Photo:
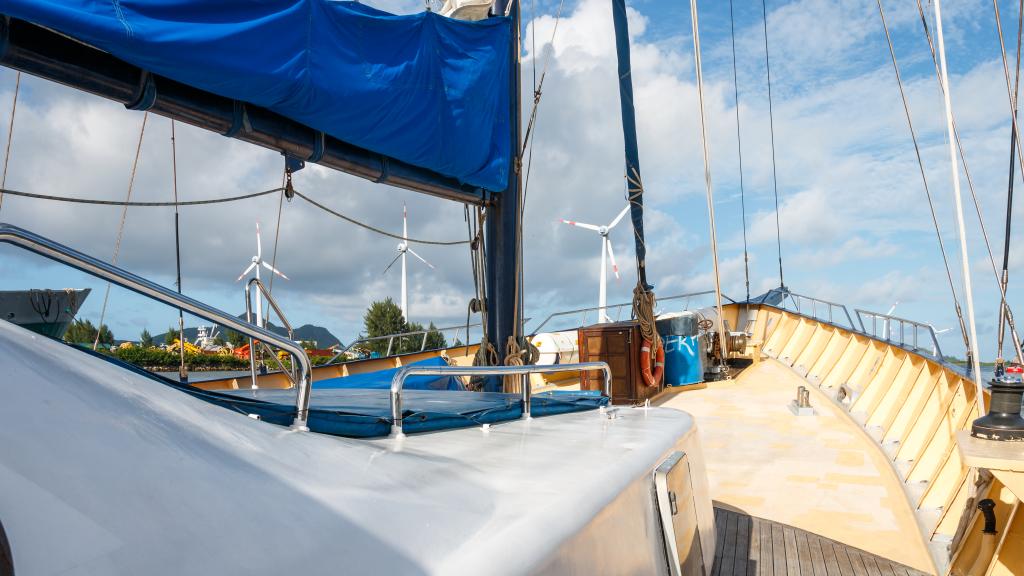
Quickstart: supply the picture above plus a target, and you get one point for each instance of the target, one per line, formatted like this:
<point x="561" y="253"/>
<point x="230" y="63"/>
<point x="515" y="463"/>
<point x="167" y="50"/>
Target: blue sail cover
<point x="424" y="89"/>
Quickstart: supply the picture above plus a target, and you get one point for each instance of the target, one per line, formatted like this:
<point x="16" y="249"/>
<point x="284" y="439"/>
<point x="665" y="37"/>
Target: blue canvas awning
<point x="423" y="89"/>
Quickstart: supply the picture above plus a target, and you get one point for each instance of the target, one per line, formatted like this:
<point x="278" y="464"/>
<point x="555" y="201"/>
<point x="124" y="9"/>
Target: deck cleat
<point x="1003" y="421"/>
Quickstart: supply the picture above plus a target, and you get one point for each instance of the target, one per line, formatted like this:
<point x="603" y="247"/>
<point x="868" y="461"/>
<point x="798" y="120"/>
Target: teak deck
<point x="749" y="546"/>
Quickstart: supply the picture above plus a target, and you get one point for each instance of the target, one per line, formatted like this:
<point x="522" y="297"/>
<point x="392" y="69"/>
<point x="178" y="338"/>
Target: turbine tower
<point x="403" y="248"/>
<point x="255" y="264"/>
<point x="607" y="254"/>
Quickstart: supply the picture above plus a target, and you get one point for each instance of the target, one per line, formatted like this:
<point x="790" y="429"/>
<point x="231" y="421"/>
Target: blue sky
<point x="855" y="226"/>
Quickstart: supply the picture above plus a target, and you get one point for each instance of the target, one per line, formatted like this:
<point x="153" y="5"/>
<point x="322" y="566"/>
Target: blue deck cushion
<point x="366" y="413"/>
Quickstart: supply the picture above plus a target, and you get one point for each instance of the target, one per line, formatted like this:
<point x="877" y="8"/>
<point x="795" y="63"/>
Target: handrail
<point x="390" y="338"/>
<point x="398" y="382"/>
<point x="797" y="298"/>
<point x="58" y="252"/>
<point x="248" y="318"/>
<point x="621" y="306"/>
<point x="888" y="320"/>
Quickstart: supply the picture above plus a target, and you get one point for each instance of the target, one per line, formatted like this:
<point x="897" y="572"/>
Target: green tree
<point x="235" y="338"/>
<point x="146" y="339"/>
<point x="414" y="343"/>
<point x="84" y="332"/>
<point x="172" y="335"/>
<point x="382" y="318"/>
<point x="435" y="339"/>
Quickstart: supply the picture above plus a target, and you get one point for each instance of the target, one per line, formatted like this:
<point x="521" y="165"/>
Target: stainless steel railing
<point x="815" y="307"/>
<point x="58" y="252"/>
<point x="623" y="306"/>
<point x="252" y="349"/>
<point x="398" y="382"/>
<point x="906" y="333"/>
<point x="422" y="334"/>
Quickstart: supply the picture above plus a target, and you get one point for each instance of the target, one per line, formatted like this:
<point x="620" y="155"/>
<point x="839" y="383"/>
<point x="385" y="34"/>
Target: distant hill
<point x="322" y="336"/>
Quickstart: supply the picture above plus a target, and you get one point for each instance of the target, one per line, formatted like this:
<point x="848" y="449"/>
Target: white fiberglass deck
<point x="105" y="471"/>
<point x="816" y="473"/>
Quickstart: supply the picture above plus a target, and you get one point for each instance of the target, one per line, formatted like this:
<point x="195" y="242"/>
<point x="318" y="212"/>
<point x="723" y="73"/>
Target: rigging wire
<point x="132" y="204"/>
<point x="136" y="204"/>
<point x="722" y="342"/>
<point x="10" y="134"/>
<point x="182" y="373"/>
<point x="739" y="148"/>
<point x="1003" y="280"/>
<point x="277" y="236"/>
<point x="378" y="230"/>
<point x="970" y="185"/>
<point x="120" y="228"/>
<point x="771" y="128"/>
<point x="924" y="178"/>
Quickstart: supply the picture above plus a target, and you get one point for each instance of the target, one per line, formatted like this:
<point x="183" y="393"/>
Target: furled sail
<point x="427" y="90"/>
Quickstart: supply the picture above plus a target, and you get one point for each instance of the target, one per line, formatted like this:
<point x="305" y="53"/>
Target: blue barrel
<point x="684" y="359"/>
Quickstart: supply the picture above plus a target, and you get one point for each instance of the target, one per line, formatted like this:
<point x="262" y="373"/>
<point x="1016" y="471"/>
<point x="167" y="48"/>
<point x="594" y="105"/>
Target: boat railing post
<point x="398" y="382"/>
<point x="527" y="390"/>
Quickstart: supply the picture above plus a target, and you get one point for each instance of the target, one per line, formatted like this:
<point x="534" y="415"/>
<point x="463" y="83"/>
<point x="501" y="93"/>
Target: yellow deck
<point x="816" y="473"/>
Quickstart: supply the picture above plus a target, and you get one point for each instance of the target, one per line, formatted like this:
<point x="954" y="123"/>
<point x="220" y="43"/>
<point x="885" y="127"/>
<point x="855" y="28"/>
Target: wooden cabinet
<point x="617" y="344"/>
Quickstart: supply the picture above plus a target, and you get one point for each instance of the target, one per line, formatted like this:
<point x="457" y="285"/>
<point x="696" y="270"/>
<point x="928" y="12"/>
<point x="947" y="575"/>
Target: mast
<point x="632" y="151"/>
<point x="502" y="226"/>
<point x="975" y="364"/>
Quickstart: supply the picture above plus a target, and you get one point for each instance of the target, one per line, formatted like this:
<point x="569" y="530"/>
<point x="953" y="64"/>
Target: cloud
<point x="855" y="224"/>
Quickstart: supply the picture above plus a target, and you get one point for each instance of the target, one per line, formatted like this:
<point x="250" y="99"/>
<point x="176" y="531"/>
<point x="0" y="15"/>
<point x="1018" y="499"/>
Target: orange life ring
<point x="645" y="363"/>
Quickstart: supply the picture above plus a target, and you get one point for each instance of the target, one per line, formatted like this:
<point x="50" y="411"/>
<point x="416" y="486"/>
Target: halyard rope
<point x="120" y="229"/>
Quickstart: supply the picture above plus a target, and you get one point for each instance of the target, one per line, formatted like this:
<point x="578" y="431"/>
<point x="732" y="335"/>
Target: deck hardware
<point x="801" y="405"/>
<point x="1003" y="421"/>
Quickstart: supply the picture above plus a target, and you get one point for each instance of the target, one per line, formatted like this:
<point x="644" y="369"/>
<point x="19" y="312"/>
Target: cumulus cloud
<point x="855" y="226"/>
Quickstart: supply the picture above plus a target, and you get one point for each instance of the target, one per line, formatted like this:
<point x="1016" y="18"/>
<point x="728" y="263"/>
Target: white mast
<point x="707" y="182"/>
<point x="965" y="263"/>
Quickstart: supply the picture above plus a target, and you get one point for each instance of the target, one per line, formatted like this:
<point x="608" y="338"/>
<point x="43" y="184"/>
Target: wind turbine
<point x="403" y="247"/>
<point x="885" y="325"/>
<point x="255" y="264"/>
<point x="606" y="255"/>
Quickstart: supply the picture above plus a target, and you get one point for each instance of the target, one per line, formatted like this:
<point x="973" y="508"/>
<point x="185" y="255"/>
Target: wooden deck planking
<point x="750" y="546"/>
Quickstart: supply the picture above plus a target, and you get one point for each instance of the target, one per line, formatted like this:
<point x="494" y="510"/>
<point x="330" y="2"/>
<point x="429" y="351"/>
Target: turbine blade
<point x="420" y="257"/>
<point x="405" y="224"/>
<point x="581" y="225"/>
<point x="611" y="257"/>
<point x="619" y="217"/>
<point x="392" y="263"/>
<point x="247" y="270"/>
<point x="274" y="270"/>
